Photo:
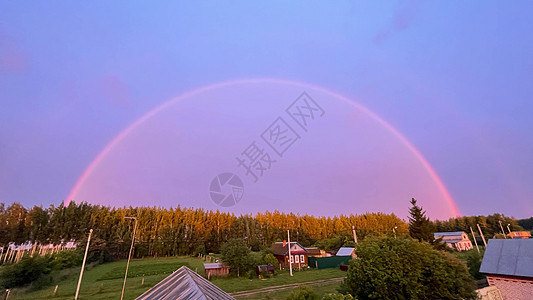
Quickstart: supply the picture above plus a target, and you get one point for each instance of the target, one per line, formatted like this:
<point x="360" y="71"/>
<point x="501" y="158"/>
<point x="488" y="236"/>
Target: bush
<point x="27" y="270"/>
<point x="251" y="274"/>
<point x="473" y="261"/>
<point x="389" y="268"/>
<point x="338" y="297"/>
<point x="303" y="293"/>
<point x="66" y="259"/>
<point x="270" y="259"/>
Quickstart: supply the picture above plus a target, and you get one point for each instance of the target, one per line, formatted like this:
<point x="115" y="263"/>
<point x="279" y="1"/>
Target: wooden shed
<point x="217" y="269"/>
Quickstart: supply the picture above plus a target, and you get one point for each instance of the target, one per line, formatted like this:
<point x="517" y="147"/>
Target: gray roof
<point x="437" y="234"/>
<point x="509" y="257"/>
<point x="185" y="284"/>
<point x="452" y="241"/>
<point x="345" y="251"/>
<point x="215" y="266"/>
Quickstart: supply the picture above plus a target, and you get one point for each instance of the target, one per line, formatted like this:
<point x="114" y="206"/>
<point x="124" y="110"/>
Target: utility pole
<point x="129" y="256"/>
<point x="290" y="257"/>
<point x="474" y="237"/>
<point x="82" y="265"/>
<point x="482" y="236"/>
<point x="354" y="235"/>
<point x="504" y="235"/>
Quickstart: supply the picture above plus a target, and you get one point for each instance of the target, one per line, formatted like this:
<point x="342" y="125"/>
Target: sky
<point x="146" y="104"/>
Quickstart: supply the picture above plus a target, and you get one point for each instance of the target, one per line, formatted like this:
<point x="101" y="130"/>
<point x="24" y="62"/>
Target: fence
<point x="328" y="262"/>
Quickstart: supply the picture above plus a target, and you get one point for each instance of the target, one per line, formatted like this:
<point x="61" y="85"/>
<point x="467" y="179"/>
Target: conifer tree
<point x="420" y="227"/>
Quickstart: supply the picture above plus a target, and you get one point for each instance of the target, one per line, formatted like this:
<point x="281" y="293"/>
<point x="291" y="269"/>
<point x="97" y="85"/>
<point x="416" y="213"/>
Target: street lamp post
<point x="83" y="265"/>
<point x="504" y="235"/>
<point x="509" y="228"/>
<point x="394" y="230"/>
<point x="129" y="256"/>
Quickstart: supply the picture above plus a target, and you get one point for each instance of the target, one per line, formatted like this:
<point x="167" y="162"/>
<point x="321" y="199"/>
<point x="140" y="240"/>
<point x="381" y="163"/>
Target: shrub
<point x="338" y="297"/>
<point x="389" y="268"/>
<point x="270" y="259"/>
<point x="66" y="259"/>
<point x="27" y="270"/>
<point x="302" y="293"/>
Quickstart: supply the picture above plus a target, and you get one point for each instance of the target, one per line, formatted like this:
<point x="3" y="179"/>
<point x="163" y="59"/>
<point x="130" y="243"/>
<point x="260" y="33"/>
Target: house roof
<point x="215" y="266"/>
<point x="313" y="251"/>
<point x="508" y="257"/>
<point x="345" y="251"/>
<point x="185" y="284"/>
<point x="278" y="248"/>
<point x="451" y="241"/>
<point x="454" y="233"/>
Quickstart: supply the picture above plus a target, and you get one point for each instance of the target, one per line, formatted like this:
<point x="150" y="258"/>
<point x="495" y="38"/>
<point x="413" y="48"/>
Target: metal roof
<point x="437" y="234"/>
<point x="452" y="241"/>
<point x="508" y="257"/>
<point x="215" y="266"/>
<point x="345" y="251"/>
<point x="185" y="284"/>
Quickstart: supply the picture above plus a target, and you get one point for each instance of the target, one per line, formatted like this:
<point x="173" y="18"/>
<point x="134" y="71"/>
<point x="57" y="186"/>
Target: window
<point x="296" y="258"/>
<point x="302" y="260"/>
<point x="291" y="259"/>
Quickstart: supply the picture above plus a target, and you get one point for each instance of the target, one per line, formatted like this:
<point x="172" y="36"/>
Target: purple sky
<point x="453" y="78"/>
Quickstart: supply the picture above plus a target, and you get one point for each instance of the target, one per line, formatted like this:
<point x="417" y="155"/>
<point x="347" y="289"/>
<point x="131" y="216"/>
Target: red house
<point x="298" y="254"/>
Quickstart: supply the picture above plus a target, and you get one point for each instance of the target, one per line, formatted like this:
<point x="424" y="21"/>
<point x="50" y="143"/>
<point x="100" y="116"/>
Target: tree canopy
<point x="175" y="231"/>
<point x="403" y="268"/>
<point x="237" y="255"/>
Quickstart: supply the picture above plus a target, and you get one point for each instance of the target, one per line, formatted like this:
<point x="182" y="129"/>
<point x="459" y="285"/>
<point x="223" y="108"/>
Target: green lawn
<point x="231" y="285"/>
<point x="105" y="281"/>
<point x="320" y="291"/>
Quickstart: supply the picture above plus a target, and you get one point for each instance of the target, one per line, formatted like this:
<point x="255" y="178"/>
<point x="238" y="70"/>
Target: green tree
<point x="403" y="268"/>
<point x="237" y="255"/>
<point x="527" y="224"/>
<point x="270" y="259"/>
<point x="420" y="227"/>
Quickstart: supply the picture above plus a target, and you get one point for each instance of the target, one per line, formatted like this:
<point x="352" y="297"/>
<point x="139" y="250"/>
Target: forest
<point x="185" y="231"/>
<point x="176" y="231"/>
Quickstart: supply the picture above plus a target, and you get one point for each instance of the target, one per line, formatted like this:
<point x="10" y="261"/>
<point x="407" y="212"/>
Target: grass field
<point x="231" y="285"/>
<point x="320" y="291"/>
<point x="105" y="281"/>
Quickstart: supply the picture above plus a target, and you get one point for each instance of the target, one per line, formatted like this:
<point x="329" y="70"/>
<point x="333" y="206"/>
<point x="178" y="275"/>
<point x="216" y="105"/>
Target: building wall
<point x="217" y="272"/>
<point x="284" y="261"/>
<point x="512" y="288"/>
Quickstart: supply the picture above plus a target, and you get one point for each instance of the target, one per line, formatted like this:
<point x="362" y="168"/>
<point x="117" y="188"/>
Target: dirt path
<point x="285" y="287"/>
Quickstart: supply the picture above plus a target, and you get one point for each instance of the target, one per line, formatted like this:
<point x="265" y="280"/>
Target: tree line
<point x="176" y="231"/>
<point x="489" y="224"/>
<point x="182" y="231"/>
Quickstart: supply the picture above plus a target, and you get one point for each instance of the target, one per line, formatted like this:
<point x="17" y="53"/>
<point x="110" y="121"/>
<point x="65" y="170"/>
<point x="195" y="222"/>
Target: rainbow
<point x="116" y="140"/>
